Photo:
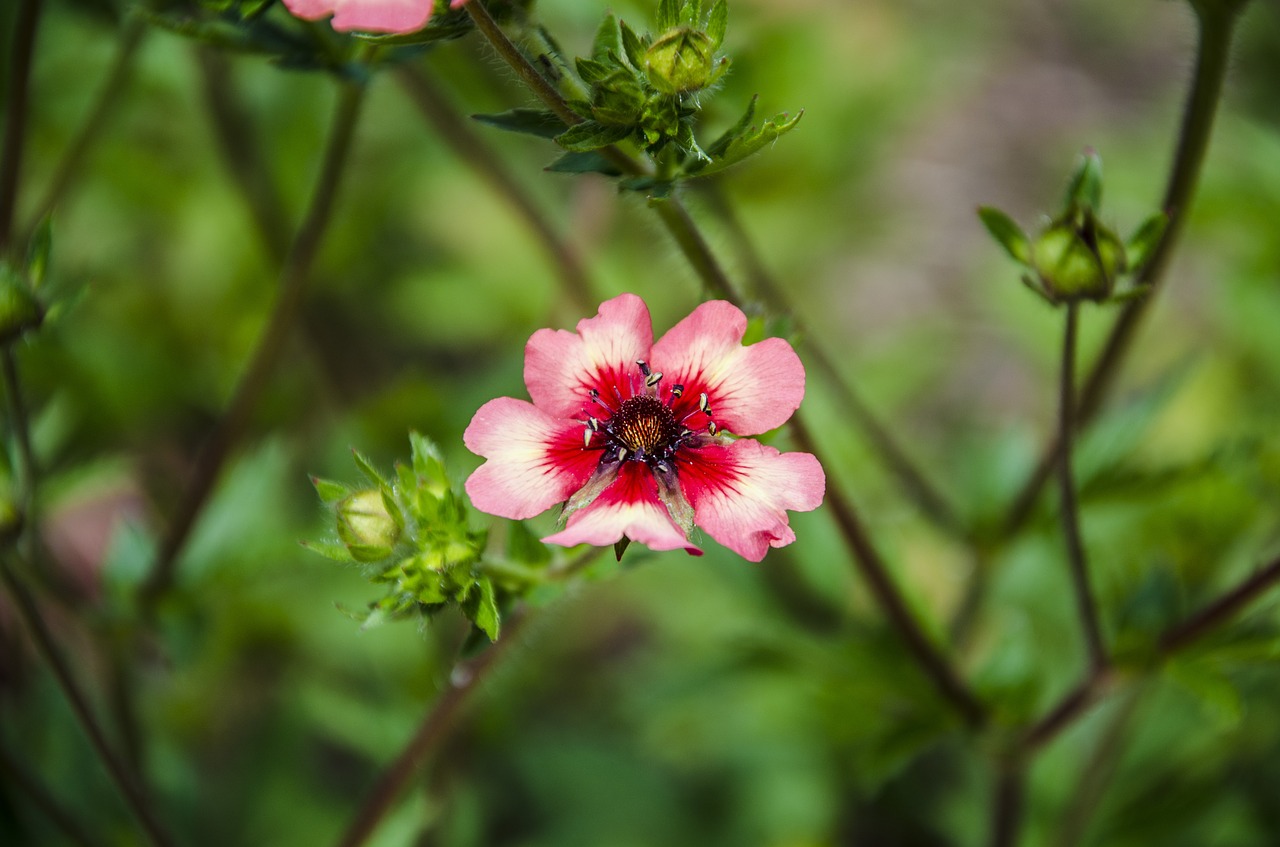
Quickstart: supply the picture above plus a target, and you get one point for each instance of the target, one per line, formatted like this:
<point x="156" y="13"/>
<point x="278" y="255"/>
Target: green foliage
<point x="413" y="532"/>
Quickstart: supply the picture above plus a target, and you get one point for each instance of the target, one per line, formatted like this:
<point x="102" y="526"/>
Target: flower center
<point x="643" y="427"/>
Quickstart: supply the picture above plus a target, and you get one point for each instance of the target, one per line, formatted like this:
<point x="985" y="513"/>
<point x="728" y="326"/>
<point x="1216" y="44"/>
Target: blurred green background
<point x="666" y="700"/>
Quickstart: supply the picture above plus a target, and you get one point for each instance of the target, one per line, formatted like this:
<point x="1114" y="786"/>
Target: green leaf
<point x="336" y="552"/>
<point x="367" y="468"/>
<point x="259" y="37"/>
<point x="717" y="147"/>
<point x="691" y="13"/>
<point x="539" y="122"/>
<point x="482" y="608"/>
<point x="428" y="465"/>
<point x="1006" y="233"/>
<point x="591" y="71"/>
<point x="1084" y="190"/>
<point x="591" y="135"/>
<point x="718" y="22"/>
<point x="632" y="46"/>
<point x="524" y="547"/>
<point x="608" y="39"/>
<point x="1212" y="688"/>
<point x="583" y="163"/>
<point x="668" y="14"/>
<point x="38" y="252"/>
<point x="1143" y="243"/>
<point x="688" y="144"/>
<point x="329" y="491"/>
<point x="747" y="145"/>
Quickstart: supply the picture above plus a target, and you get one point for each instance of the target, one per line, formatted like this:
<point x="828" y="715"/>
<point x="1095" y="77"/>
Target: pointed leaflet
<point x="583" y="163"/>
<point x="668" y="14"/>
<point x="717" y="23"/>
<point x="481" y="606"/>
<point x="717" y="147"/>
<point x="632" y="46"/>
<point x="329" y="491"/>
<point x="1006" y="233"/>
<point x="1084" y="190"/>
<point x="1143" y="243"/>
<point x="591" y="135"/>
<point x="537" y="122"/>
<point x="608" y="39"/>
<point x="748" y="145"/>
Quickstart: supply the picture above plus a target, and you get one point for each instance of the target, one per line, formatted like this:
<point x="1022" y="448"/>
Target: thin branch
<point x="1097" y="772"/>
<point x="1220" y="611"/>
<point x="1070" y="510"/>
<point x="1007" y="804"/>
<point x="103" y="108"/>
<point x="876" y="574"/>
<point x="43" y="800"/>
<point x="27" y="470"/>
<point x="439" y="720"/>
<point x="468" y="146"/>
<point x="115" y="766"/>
<point x="1216" y="28"/>
<point x="1075" y="703"/>
<point x="15" y="119"/>
<point x="293" y="280"/>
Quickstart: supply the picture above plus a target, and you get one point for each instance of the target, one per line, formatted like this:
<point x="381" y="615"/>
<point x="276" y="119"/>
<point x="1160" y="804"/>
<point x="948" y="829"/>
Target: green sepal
<point x="633" y="47"/>
<point x="591" y="135"/>
<point x="481" y="607"/>
<point x="608" y="39"/>
<point x="668" y="14"/>
<point x="1006" y="233"/>
<point x="620" y="546"/>
<point x="591" y="71"/>
<point x="367" y="468"/>
<point x="329" y="491"/>
<point x="538" y="122"/>
<point x="717" y="23"/>
<point x="428" y="465"/>
<point x="1084" y="189"/>
<point x="691" y="13"/>
<point x="1143" y="242"/>
<point x="748" y="144"/>
<point x="336" y="552"/>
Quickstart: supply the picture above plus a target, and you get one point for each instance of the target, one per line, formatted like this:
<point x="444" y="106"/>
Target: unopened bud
<point x="680" y="61"/>
<point x="367" y="527"/>
<point x="1078" y="260"/>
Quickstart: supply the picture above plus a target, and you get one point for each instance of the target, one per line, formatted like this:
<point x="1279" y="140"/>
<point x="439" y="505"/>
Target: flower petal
<point x="750" y="389"/>
<point x="630" y="507"/>
<point x="560" y="367"/>
<point x="741" y="493"/>
<point x="393" y="16"/>
<point x="311" y="10"/>
<point x="535" y="460"/>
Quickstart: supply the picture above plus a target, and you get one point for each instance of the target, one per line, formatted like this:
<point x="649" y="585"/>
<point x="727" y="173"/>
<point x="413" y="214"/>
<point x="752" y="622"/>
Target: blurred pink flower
<point x="391" y="16"/>
<point x="634" y="438"/>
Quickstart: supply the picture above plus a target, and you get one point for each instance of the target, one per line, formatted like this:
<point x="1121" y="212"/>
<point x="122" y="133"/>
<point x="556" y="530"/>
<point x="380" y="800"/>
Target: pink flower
<point x="394" y="16"/>
<point x="634" y="437"/>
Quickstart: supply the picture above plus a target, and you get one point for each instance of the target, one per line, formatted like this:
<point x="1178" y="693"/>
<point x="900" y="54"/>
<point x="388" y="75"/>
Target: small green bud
<point x="19" y="309"/>
<point x="367" y="527"/>
<point x="1077" y="261"/>
<point x="681" y="60"/>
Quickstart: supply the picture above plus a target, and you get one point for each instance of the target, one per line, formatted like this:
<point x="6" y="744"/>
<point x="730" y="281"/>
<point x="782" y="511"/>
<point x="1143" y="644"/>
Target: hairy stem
<point x="123" y="778"/>
<point x="1070" y="510"/>
<point x="465" y="679"/>
<point x="1216" y="27"/>
<point x="873" y="570"/>
<point x="15" y="118"/>
<point x="468" y="146"/>
<point x="293" y="280"/>
<point x="103" y="108"/>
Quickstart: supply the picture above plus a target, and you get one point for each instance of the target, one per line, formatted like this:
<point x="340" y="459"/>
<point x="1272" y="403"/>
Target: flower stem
<point x="695" y="249"/>
<point x="117" y="78"/>
<point x="293" y="280"/>
<point x="876" y="574"/>
<point x="1216" y="27"/>
<point x="15" y="119"/>
<point x="469" y="147"/>
<point x="120" y="774"/>
<point x="439" y="720"/>
<point x="1070" y="510"/>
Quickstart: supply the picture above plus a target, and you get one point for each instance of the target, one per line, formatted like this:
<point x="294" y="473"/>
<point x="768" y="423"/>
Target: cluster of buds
<point x="1075" y="256"/>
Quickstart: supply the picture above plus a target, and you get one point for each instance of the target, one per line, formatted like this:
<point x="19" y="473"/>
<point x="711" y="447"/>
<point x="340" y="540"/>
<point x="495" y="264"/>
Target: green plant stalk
<point x="465" y="679"/>
<point x="1068" y="506"/>
<point x="1216" y="28"/>
<point x="15" y="119"/>
<point x="124" y="780"/>
<point x="1007" y="804"/>
<point x="293" y="282"/>
<point x="467" y="145"/>
<point x="696" y="251"/>
<point x="103" y="109"/>
<point x="27" y="472"/>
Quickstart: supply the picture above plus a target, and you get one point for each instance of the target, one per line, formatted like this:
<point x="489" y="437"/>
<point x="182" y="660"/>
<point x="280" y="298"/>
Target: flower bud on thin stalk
<point x="366" y="527"/>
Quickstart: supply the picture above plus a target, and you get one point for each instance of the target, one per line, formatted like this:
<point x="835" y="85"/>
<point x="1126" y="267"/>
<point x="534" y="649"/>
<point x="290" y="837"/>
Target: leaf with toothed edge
<point x="744" y="145"/>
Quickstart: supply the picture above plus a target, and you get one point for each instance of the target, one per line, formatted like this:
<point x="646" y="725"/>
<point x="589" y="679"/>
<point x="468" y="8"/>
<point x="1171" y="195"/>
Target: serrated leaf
<point x="717" y="147"/>
<point x="336" y="552"/>
<point x="329" y="491"/>
<point x="608" y="39"/>
<point x="691" y="13"/>
<point x="718" y="22"/>
<point x="591" y="72"/>
<point x="583" y="163"/>
<point x="747" y="145"/>
<point x="668" y="14"/>
<point x="1144" y="242"/>
<point x="688" y="144"/>
<point x="591" y="135"/>
<point x="539" y="122"/>
<point x="1007" y="233"/>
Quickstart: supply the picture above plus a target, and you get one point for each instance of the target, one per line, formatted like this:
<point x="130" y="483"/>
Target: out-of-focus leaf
<point x="1143" y="243"/>
<point x="1006" y="233"/>
<point x="747" y="144"/>
<point x="1205" y="680"/>
<point x="591" y="135"/>
<point x="539" y="122"/>
<point x="329" y="491"/>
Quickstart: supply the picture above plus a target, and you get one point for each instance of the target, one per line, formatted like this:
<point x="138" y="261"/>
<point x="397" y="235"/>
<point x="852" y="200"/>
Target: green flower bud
<point x="680" y="61"/>
<point x="367" y="528"/>
<point x="1077" y="261"/>
<point x="19" y="308"/>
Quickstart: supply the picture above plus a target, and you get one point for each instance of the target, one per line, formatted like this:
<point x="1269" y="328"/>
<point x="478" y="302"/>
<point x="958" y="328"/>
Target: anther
<point x="644" y="367"/>
<point x="593" y="394"/>
<point x="712" y="428"/>
<point x="677" y="390"/>
<point x="622" y="453"/>
<point x="652" y="379"/>
<point x="586" y="438"/>
<point x="703" y="404"/>
<point x="593" y="424"/>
